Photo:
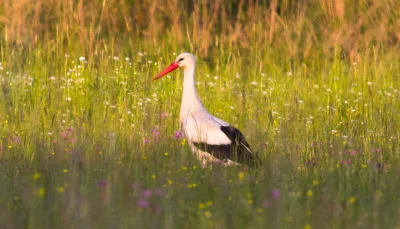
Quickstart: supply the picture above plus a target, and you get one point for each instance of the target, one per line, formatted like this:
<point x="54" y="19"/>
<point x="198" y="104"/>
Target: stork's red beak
<point x="167" y="70"/>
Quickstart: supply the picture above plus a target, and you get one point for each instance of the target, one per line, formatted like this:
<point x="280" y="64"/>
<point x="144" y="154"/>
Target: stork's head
<point x="182" y="61"/>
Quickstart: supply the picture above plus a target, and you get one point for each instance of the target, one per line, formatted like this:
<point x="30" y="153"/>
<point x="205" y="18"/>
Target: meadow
<point x="88" y="140"/>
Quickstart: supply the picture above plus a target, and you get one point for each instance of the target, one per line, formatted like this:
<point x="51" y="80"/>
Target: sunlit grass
<point x="88" y="140"/>
<point x="94" y="144"/>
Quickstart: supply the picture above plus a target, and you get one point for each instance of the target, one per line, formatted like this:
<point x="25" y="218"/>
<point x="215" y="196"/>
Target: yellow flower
<point x="41" y="192"/>
<point x="153" y="176"/>
<point x="207" y="214"/>
<point x="166" y="154"/>
<point x="36" y="176"/>
<point x="352" y="200"/>
<point x="241" y="175"/>
<point x="315" y="182"/>
<point x="65" y="170"/>
<point x="307" y="226"/>
<point x="170" y="182"/>
<point x="309" y="193"/>
<point x="363" y="166"/>
<point x="60" y="189"/>
<point x="209" y="203"/>
<point x="202" y="206"/>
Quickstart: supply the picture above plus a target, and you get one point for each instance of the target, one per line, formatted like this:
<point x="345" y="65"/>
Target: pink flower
<point x="146" y="193"/>
<point x="178" y="134"/>
<point x="142" y="203"/>
<point x="275" y="193"/>
<point x="63" y="134"/>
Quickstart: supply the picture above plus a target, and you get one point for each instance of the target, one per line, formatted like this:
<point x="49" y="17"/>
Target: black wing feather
<point x="239" y="150"/>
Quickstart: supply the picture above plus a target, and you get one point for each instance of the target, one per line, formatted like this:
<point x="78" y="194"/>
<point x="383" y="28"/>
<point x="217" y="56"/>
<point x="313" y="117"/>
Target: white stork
<point x="211" y="139"/>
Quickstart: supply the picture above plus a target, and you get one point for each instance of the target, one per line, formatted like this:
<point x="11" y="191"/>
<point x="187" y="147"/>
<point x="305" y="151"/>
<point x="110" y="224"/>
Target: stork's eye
<point x="180" y="59"/>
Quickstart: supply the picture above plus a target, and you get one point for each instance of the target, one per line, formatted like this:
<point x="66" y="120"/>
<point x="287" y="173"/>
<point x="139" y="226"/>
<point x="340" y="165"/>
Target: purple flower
<point x="102" y="183"/>
<point x="178" y="134"/>
<point x="142" y="203"/>
<point x="63" y="134"/>
<point x="54" y="141"/>
<point x="72" y="140"/>
<point x="275" y="193"/>
<point x="353" y="153"/>
<point x="145" y="141"/>
<point x="146" y="193"/>
<point x="69" y="129"/>
<point x="347" y="162"/>
<point x="16" y="139"/>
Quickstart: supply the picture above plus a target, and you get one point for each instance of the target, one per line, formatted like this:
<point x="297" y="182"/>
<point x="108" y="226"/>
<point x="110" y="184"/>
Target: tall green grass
<point x="88" y="140"/>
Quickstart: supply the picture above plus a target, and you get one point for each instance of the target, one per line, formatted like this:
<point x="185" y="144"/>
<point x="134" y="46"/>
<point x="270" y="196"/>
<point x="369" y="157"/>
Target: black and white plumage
<point x="211" y="139"/>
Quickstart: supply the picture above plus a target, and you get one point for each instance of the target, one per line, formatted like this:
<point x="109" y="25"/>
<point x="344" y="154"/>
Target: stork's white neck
<point x="190" y="99"/>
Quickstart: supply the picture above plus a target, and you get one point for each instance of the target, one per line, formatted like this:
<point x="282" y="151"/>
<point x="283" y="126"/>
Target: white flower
<point x="81" y="58"/>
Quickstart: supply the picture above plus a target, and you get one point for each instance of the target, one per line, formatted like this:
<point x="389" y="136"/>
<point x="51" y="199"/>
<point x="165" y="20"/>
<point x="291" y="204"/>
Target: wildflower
<point x="241" y="175"/>
<point x="142" y="203"/>
<point x="178" y="134"/>
<point x="309" y="193"/>
<point x="41" y="192"/>
<point x="63" y="134"/>
<point x="353" y="153"/>
<point x="60" y="189"/>
<point x="16" y="139"/>
<point x="147" y="193"/>
<point x="307" y="226"/>
<point x="275" y="194"/>
<point x="102" y="183"/>
<point x="36" y="176"/>
<point x="81" y="58"/>
<point x="65" y="171"/>
<point x="207" y="214"/>
<point x="352" y="200"/>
